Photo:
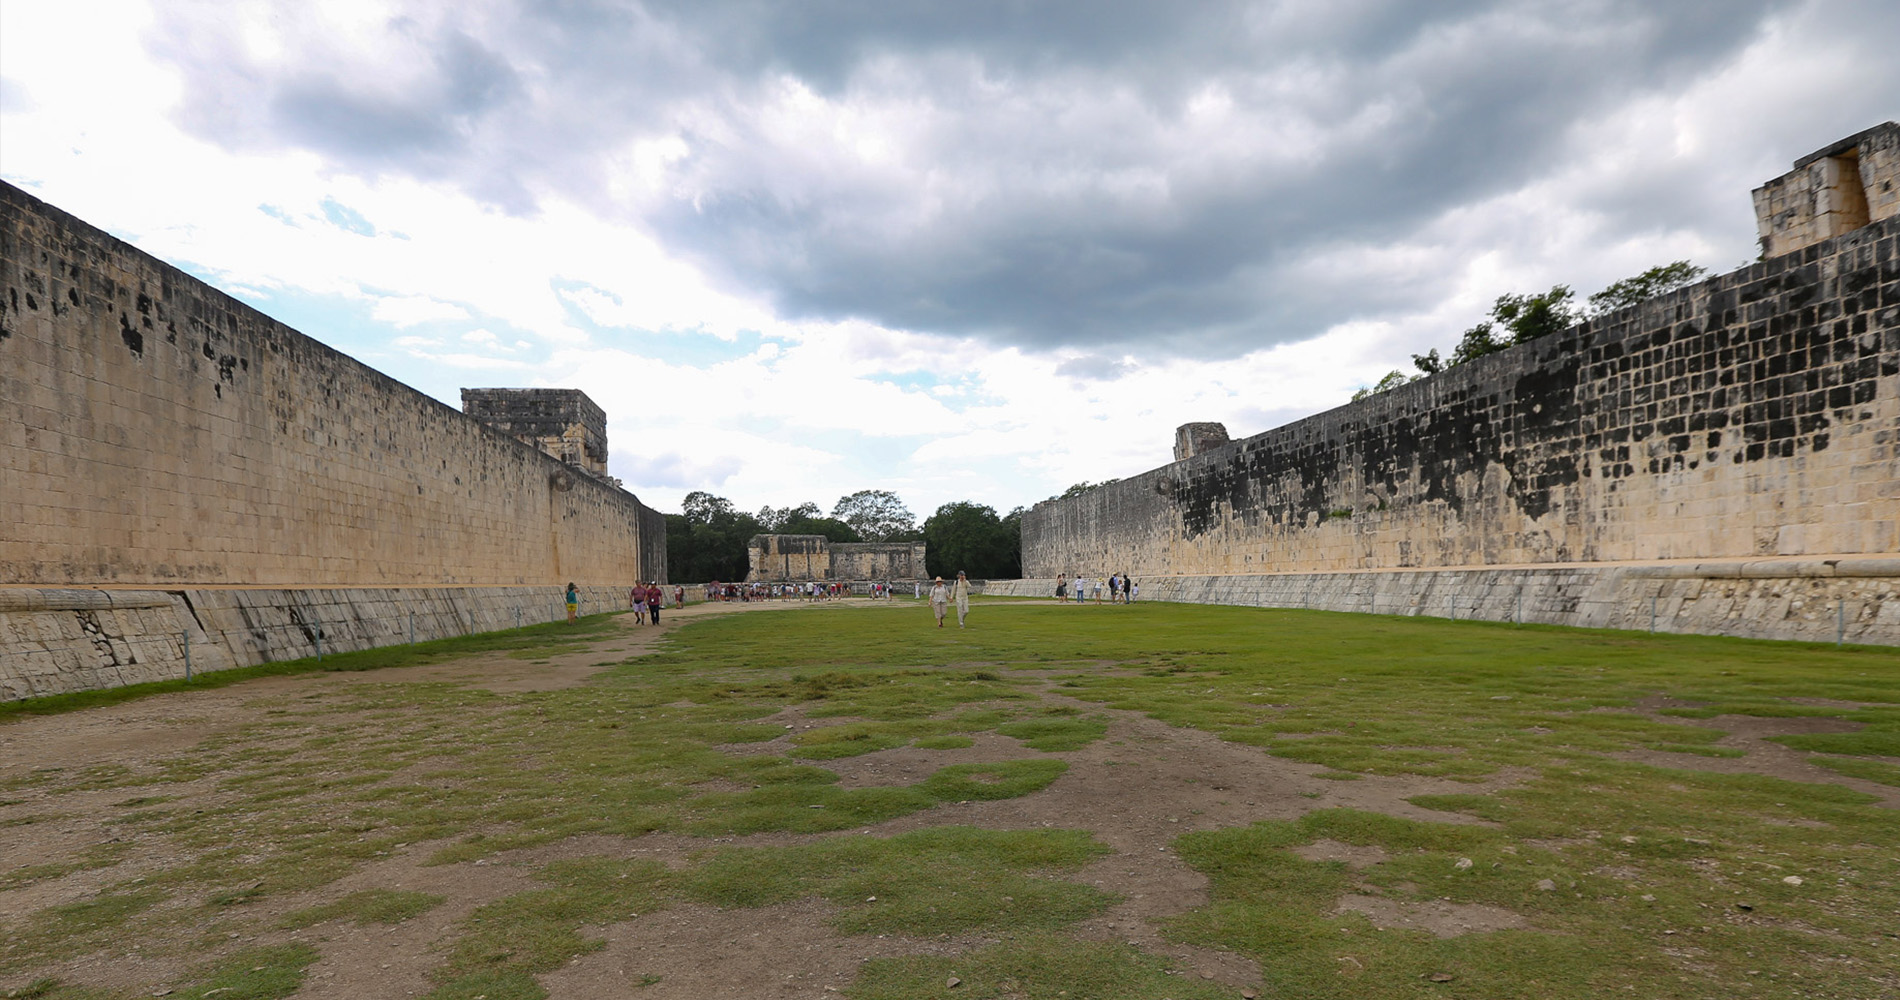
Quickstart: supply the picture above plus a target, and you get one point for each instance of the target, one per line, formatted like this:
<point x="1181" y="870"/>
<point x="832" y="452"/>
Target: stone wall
<point x="785" y="558"/>
<point x="158" y="432"/>
<point x="54" y="641"/>
<point x="1853" y="600"/>
<point x="1755" y="414"/>
<point x="877" y="561"/>
<point x="782" y="558"/>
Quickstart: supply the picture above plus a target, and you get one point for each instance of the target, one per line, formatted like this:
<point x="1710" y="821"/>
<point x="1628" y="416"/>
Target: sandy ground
<point x="1136" y="790"/>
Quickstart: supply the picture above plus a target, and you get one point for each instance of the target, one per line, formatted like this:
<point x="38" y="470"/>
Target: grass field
<point x="1588" y="820"/>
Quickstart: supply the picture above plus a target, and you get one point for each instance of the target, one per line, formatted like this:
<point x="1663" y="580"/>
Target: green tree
<point x="708" y="541"/>
<point x="1392" y="380"/>
<point x="1528" y="317"/>
<point x="876" y="515"/>
<point x="1515" y="319"/>
<point x="830" y="527"/>
<point x="1082" y="487"/>
<point x="1647" y="285"/>
<point x="774" y="520"/>
<point x="968" y="536"/>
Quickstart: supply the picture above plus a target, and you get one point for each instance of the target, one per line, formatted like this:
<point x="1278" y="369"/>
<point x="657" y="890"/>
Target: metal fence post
<point x="1840" y="621"/>
<point x="186" y="635"/>
<point x="517" y="616"/>
<point x="319" y="642"/>
<point x="1652" y="613"/>
<point x="412" y="628"/>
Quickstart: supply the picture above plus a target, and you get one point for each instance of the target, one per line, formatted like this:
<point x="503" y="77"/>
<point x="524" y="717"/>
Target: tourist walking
<point x="573" y="601"/>
<point x="961" y="594"/>
<point x="1062" y="588"/>
<point x="939" y="600"/>
<point x="655" y="598"/>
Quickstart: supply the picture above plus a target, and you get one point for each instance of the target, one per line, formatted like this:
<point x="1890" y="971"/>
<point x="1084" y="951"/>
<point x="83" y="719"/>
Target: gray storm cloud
<point x="1130" y="175"/>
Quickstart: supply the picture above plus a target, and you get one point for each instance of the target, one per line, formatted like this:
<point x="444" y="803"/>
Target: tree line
<point x="707" y="540"/>
<point x="1520" y="318"/>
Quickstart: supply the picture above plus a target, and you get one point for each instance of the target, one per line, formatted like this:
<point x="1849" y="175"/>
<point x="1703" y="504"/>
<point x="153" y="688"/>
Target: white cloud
<point x="964" y="172"/>
<point x="402" y="311"/>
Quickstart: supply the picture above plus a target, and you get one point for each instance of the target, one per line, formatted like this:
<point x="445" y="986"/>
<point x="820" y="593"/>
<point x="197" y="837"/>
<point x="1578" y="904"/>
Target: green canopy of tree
<point x="1518" y="319"/>
<point x="1392" y="380"/>
<point x="876" y="515"/>
<point x="968" y="536"/>
<point x="1515" y="319"/>
<point x="707" y="541"/>
<point x="1656" y="281"/>
<point x="1082" y="487"/>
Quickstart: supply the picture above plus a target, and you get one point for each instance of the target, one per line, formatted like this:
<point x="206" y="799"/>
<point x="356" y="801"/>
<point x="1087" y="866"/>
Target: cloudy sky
<point x="977" y="250"/>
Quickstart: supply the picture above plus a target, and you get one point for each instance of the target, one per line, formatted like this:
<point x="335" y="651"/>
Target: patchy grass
<point x="371" y="906"/>
<point x="333" y="779"/>
<point x="944" y="880"/>
<point x="252" y="974"/>
<point x="1040" y="967"/>
<point x="1866" y="770"/>
<point x="1001" y="780"/>
<point x="504" y="944"/>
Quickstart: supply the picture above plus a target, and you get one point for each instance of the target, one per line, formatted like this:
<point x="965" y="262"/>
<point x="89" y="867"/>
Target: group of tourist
<point x="1121" y="589"/>
<point x="648" y="600"/>
<point x="811" y="590"/>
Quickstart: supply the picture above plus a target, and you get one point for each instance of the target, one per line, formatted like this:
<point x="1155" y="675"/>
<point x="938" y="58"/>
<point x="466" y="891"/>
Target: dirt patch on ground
<point x="1441" y="919"/>
<point x="697" y="952"/>
<point x="1750" y="734"/>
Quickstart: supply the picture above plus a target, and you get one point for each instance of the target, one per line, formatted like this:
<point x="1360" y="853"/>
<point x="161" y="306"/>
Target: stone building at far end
<point x="801" y="558"/>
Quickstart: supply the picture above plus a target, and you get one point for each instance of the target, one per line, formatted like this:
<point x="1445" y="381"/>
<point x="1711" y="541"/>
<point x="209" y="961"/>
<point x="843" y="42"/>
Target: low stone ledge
<point x="66" y="599"/>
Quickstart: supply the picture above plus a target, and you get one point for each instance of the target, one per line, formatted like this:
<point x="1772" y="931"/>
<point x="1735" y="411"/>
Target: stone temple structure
<point x="798" y="558"/>
<point x="563" y="423"/>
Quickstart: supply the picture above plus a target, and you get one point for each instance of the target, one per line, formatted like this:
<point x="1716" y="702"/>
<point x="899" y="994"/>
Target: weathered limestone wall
<point x="1754" y="415"/>
<point x="877" y="561"/>
<point x="158" y="432"/>
<point x="1854" y="600"/>
<point x="786" y="558"/>
<point x="783" y="558"/>
<point x="54" y="641"/>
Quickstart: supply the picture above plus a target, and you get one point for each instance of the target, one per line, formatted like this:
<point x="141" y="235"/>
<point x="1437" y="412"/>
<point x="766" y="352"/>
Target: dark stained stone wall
<point x="1754" y="414"/>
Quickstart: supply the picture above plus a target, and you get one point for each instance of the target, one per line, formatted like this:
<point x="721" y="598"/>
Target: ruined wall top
<point x="1192" y="439"/>
<point x="564" y="423"/>
<point x="1832" y="191"/>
